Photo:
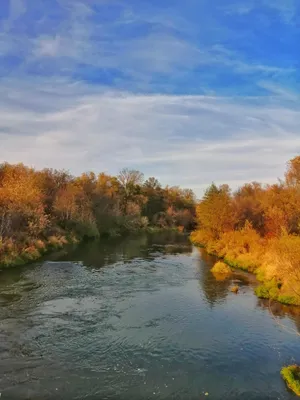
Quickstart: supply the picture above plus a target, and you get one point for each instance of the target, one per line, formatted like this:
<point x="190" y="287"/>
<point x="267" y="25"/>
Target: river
<point x="139" y="318"/>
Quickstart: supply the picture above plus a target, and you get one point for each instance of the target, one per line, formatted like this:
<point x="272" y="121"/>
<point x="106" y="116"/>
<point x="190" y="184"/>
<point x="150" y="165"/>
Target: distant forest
<point x="48" y="208"/>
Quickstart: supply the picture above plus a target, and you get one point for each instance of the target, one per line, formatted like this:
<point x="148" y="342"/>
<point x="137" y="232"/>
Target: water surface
<point x="139" y="318"/>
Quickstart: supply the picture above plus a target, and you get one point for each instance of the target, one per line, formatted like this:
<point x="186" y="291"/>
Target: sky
<point x="189" y="91"/>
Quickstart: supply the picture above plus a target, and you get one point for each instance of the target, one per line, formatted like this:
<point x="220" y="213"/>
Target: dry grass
<point x="275" y="261"/>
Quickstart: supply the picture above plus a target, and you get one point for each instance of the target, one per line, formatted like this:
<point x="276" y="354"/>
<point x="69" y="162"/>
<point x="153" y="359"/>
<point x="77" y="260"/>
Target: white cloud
<point x="169" y="45"/>
<point x="286" y="9"/>
<point x="186" y="140"/>
<point x="49" y="46"/>
<point x="279" y="91"/>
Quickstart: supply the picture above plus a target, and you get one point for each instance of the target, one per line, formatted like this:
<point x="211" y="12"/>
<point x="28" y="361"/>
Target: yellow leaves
<point x="215" y="213"/>
<point x="292" y="175"/>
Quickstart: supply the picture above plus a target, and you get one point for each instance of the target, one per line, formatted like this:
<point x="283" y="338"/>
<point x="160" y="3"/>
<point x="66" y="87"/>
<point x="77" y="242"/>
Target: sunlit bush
<point x="221" y="268"/>
<point x="291" y="375"/>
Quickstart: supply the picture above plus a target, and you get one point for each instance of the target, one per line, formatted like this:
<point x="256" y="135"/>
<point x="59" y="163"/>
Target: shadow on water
<point x="280" y="311"/>
<point x="215" y="291"/>
<point x="104" y="252"/>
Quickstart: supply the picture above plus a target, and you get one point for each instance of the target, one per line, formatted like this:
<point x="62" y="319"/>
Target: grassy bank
<point x="291" y="376"/>
<point x="41" y="211"/>
<point x="14" y="254"/>
<point x="257" y="229"/>
<point x="273" y="261"/>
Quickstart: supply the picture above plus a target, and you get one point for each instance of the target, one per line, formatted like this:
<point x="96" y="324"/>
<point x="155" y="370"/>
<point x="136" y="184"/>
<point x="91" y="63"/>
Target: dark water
<point x="138" y="318"/>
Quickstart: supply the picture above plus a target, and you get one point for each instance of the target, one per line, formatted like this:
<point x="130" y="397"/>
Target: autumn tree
<point x="154" y="193"/>
<point x="49" y="207"/>
<point x="248" y="206"/>
<point x="21" y="201"/>
<point x="130" y="188"/>
<point x="292" y="175"/>
<point x="215" y="213"/>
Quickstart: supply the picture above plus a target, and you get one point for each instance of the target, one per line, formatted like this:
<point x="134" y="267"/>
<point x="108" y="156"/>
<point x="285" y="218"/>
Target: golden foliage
<point x="257" y="229"/>
<point x="46" y="209"/>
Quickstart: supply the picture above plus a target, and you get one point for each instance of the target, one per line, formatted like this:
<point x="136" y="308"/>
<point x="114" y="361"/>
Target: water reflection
<point x="280" y="312"/>
<point x="214" y="290"/>
<point x="139" y="317"/>
<point x="143" y="245"/>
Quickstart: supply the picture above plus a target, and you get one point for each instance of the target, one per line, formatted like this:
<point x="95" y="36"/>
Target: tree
<point x="129" y="179"/>
<point x="21" y="201"/>
<point x="130" y="188"/>
<point x="154" y="193"/>
<point x="292" y="175"/>
<point x="215" y="213"/>
<point x="248" y="206"/>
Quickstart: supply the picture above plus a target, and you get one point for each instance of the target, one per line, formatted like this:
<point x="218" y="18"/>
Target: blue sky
<point x="190" y="91"/>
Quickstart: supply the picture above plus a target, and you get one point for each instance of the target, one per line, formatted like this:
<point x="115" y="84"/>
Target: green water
<point x="139" y="318"/>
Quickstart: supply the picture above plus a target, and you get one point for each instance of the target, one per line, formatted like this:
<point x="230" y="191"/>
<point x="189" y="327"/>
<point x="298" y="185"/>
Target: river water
<point x="139" y="318"/>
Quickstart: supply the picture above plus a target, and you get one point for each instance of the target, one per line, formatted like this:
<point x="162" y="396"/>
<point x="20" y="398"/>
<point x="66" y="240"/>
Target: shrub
<point x="200" y="238"/>
<point x="83" y="229"/>
<point x="9" y="260"/>
<point x="221" y="268"/>
<point x="291" y="375"/>
<point x="262" y="292"/>
<point x="289" y="300"/>
<point x="30" y="253"/>
<point x="55" y="242"/>
<point x="268" y="290"/>
<point x="40" y="245"/>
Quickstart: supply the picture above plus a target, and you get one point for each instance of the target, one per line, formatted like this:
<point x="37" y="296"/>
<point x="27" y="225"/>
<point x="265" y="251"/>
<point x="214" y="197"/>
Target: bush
<point x="262" y="292"/>
<point x="268" y="290"/>
<point x="40" y="245"/>
<point x="291" y="375"/>
<point x="199" y="238"/>
<point x="234" y="289"/>
<point x="83" y="229"/>
<point x="55" y="241"/>
<point x="30" y="253"/>
<point x="289" y="300"/>
<point x="221" y="268"/>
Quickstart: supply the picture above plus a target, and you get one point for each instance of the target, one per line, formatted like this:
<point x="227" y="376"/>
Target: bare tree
<point x="129" y="178"/>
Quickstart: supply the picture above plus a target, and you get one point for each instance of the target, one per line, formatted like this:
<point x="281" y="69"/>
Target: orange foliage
<point x="257" y="228"/>
<point x="39" y="208"/>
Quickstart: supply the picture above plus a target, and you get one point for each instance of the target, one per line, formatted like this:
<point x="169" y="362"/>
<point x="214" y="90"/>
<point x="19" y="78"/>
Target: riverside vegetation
<point x="291" y="375"/>
<point x="44" y="210"/>
<point x="257" y="229"/>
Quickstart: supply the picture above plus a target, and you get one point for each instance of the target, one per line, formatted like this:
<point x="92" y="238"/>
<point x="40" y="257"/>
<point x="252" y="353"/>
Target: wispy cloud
<point x="123" y="42"/>
<point x="287" y="10"/>
<point x="189" y="140"/>
<point x="191" y="93"/>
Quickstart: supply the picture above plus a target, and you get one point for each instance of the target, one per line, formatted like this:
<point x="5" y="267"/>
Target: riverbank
<point x="269" y="260"/>
<point x="17" y="254"/>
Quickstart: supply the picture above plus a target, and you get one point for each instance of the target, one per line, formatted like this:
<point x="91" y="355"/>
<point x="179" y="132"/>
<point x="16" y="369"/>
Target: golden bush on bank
<point x="221" y="268"/>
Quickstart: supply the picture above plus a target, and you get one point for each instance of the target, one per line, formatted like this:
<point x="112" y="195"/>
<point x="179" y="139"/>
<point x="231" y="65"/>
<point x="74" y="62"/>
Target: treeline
<point x="48" y="208"/>
<point x="257" y="228"/>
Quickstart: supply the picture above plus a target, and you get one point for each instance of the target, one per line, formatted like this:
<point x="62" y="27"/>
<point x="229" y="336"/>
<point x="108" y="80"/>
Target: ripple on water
<point x="143" y="318"/>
